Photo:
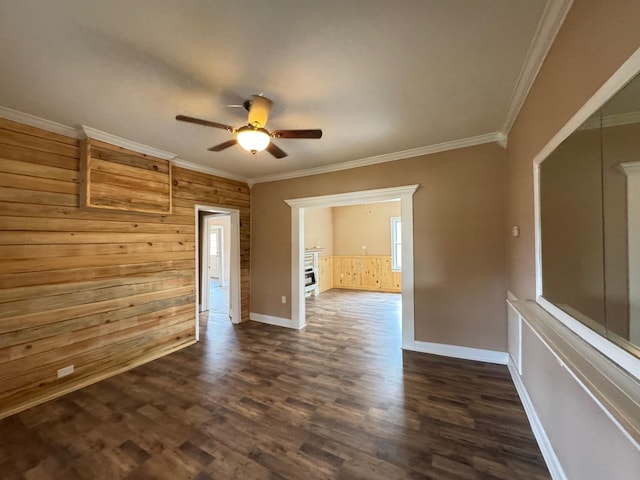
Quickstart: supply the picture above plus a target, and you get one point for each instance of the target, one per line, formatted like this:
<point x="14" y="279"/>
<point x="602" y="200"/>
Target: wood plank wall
<point x="372" y="272"/>
<point x="118" y="180"/>
<point x="101" y="290"/>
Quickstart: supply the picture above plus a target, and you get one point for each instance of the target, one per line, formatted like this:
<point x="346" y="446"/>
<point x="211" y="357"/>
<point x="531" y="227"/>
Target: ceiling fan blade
<point x="206" y="123"/>
<point x="317" y="133"/>
<point x="259" y="111"/>
<point x="222" y="146"/>
<point x="276" y="151"/>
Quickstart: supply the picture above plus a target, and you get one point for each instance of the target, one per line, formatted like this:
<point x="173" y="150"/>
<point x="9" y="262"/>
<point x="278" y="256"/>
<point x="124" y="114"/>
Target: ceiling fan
<point x="253" y="137"/>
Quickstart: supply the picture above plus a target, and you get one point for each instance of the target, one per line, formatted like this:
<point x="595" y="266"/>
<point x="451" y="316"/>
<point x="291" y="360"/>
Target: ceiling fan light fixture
<point x="253" y="139"/>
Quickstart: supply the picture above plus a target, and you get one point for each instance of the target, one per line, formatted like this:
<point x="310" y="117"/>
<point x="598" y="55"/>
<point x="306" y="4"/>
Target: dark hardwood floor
<point x="338" y="399"/>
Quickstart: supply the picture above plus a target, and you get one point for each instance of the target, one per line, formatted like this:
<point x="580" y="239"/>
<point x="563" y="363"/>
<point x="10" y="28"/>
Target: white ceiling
<point x="377" y="77"/>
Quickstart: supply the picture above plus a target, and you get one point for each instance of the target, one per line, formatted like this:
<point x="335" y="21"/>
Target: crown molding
<point x="621" y="119"/>
<point x="501" y="139"/>
<point x="353" y="198"/>
<point x="628" y="118"/>
<point x="554" y="13"/>
<point x="88" y="132"/>
<point x="387" y="157"/>
<point x="38" y="122"/>
<point x="178" y="162"/>
<point x="630" y="168"/>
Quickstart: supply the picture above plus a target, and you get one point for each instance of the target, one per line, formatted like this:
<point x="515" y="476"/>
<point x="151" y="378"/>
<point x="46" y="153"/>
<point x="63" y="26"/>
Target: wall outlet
<point x="284" y="299"/>
<point x="364" y="247"/>
<point x="63" y="372"/>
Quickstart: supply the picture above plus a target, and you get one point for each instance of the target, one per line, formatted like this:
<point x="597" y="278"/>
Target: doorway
<point x="218" y="261"/>
<point x="298" y="205"/>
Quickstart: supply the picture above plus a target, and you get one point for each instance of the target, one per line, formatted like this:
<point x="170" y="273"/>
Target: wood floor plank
<point x="339" y="399"/>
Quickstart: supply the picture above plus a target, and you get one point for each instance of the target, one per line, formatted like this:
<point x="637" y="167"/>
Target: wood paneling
<point x="118" y="179"/>
<point x="325" y="273"/>
<point x="365" y="273"/>
<point x="103" y="290"/>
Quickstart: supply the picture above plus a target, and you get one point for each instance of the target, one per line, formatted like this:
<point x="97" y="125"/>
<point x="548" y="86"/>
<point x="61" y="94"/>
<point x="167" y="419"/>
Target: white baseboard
<point x="455" y="351"/>
<point x="550" y="457"/>
<point x="277" y="321"/>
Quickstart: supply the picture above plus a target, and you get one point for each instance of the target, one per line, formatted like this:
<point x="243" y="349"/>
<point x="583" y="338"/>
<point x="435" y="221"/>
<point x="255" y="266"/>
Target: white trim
<point x="612" y="389"/>
<point x="394" y="242"/>
<point x="514" y="335"/>
<point x="204" y="271"/>
<point x="628" y="118"/>
<point x="620" y="78"/>
<point x="387" y="157"/>
<point x="630" y="168"/>
<point x="38" y="122"/>
<point x="537" y="231"/>
<point x="196" y="167"/>
<point x="553" y="15"/>
<point x="271" y="320"/>
<point x="405" y="194"/>
<point x="502" y="139"/>
<point x="96" y="134"/>
<point x="618" y="119"/>
<point x="353" y="198"/>
<point x="456" y="351"/>
<point x="548" y="453"/>
<point x="617" y="354"/>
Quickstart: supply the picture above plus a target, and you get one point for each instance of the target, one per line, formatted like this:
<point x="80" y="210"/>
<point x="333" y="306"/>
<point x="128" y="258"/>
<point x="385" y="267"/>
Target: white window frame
<point x="396" y="263"/>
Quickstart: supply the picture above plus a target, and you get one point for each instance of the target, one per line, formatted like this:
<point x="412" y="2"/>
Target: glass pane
<point x="213" y="245"/>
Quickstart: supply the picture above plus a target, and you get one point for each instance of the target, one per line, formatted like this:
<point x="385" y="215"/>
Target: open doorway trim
<point x="234" y="259"/>
<point x="405" y="194"/>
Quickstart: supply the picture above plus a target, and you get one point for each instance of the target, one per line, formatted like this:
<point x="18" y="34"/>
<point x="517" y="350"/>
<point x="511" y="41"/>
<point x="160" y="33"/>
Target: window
<point x="213" y="243"/>
<point x="396" y="244"/>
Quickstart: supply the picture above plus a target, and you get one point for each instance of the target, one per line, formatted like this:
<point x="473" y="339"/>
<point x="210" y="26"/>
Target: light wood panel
<point x="325" y="273"/>
<point x="365" y="273"/>
<point x="118" y="179"/>
<point x="103" y="290"/>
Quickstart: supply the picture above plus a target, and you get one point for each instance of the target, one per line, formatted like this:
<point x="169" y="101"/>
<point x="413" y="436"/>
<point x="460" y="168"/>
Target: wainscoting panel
<point x="365" y="273"/>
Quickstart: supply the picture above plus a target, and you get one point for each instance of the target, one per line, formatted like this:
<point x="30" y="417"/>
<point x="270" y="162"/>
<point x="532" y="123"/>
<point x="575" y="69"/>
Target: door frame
<point x="202" y="264"/>
<point x="298" y="205"/>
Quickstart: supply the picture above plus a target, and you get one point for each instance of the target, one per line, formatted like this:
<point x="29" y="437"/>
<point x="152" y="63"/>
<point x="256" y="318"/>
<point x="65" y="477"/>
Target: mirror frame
<point x="629" y="359"/>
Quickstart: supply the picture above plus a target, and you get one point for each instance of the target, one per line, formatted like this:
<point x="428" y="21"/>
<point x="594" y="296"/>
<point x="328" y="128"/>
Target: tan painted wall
<point x="367" y="225"/>
<point x="458" y="240"/>
<point x="318" y="230"/>
<point x="595" y="39"/>
<point x="572" y="226"/>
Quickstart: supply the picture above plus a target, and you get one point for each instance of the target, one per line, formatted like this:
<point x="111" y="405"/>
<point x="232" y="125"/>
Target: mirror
<point x="590" y="221"/>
